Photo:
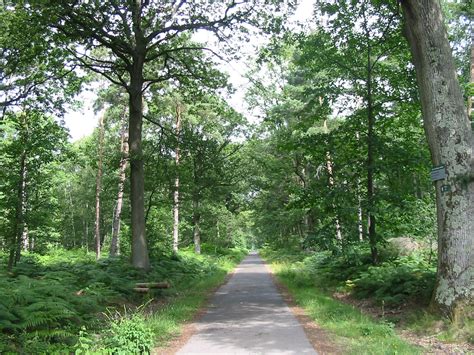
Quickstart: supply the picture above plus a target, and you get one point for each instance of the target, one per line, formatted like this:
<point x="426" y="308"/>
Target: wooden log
<point x="152" y="285"/>
<point x="141" y="289"/>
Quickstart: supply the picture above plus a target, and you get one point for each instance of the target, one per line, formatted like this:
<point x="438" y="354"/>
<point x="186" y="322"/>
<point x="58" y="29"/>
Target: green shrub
<point x="395" y="282"/>
<point x="129" y="333"/>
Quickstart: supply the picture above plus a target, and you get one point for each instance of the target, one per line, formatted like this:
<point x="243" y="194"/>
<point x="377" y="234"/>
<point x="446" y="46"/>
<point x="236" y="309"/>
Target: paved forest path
<point x="248" y="316"/>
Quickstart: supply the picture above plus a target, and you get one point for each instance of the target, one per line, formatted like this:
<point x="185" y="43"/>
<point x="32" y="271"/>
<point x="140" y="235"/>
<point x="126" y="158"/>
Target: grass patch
<point x="356" y="332"/>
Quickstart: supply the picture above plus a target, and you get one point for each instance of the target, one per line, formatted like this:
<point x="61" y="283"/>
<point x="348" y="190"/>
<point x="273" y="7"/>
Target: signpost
<point x="438" y="173"/>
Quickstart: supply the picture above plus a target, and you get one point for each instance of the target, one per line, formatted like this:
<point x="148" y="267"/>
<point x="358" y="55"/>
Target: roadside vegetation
<point x="65" y="301"/>
<point x="370" y="309"/>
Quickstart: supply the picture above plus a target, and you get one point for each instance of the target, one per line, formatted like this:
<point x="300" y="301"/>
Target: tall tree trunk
<point x="71" y="215"/>
<point x="19" y="222"/>
<point x="370" y="157"/>
<point x="450" y="138"/>
<point x="360" y="220"/>
<point x="84" y="239"/>
<point x="22" y="232"/>
<point x="25" y="237"/>
<point x="196" y="220"/>
<point x="329" y="168"/>
<point x="86" y="222"/>
<point x="98" y="186"/>
<point x="470" y="99"/>
<point x="337" y="223"/>
<point x="140" y="258"/>
<point x="176" y="181"/>
<point x="308" y="219"/>
<point x="115" y="243"/>
<point x="31" y="242"/>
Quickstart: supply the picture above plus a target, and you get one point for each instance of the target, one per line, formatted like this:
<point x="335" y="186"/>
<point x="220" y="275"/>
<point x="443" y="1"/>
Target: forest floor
<point x="427" y="340"/>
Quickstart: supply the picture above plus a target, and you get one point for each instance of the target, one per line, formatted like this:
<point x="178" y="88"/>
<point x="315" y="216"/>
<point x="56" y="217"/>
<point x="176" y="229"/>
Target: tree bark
<point x="360" y="218"/>
<point x="329" y="168"/>
<point x="470" y="99"/>
<point x="337" y="223"/>
<point x="71" y="207"/>
<point x="140" y="258"/>
<point x="115" y="242"/>
<point x="450" y="140"/>
<point x="370" y="158"/>
<point x="86" y="225"/>
<point x="19" y="222"/>
<point x="98" y="187"/>
<point x="196" y="228"/>
<point x="176" y="182"/>
<point x="22" y="231"/>
<point x="331" y="184"/>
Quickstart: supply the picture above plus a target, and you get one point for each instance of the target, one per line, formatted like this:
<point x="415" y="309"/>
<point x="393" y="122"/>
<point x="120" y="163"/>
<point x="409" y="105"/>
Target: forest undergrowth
<point x="65" y="301"/>
<point x="371" y="309"/>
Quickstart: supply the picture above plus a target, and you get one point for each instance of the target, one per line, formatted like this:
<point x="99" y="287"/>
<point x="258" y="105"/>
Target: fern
<point x="54" y="333"/>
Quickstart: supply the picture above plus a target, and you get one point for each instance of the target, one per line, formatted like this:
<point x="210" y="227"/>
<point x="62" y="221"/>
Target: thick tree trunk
<point x="196" y="229"/>
<point x="98" y="187"/>
<point x="140" y="258"/>
<point x="115" y="243"/>
<point x="176" y="182"/>
<point x="450" y="139"/>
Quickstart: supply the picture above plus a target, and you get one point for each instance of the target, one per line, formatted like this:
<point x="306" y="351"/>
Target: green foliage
<point x="55" y="302"/>
<point x="395" y="282"/>
<point x="36" y="72"/>
<point x="84" y="342"/>
<point x="129" y="333"/>
<point x="31" y="146"/>
<point x="348" y="327"/>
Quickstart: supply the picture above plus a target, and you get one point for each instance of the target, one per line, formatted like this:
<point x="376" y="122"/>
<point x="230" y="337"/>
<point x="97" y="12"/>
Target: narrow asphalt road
<point x="248" y="316"/>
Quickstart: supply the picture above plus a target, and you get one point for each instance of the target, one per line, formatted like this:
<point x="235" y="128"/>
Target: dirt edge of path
<point x="188" y="329"/>
<point x="319" y="338"/>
